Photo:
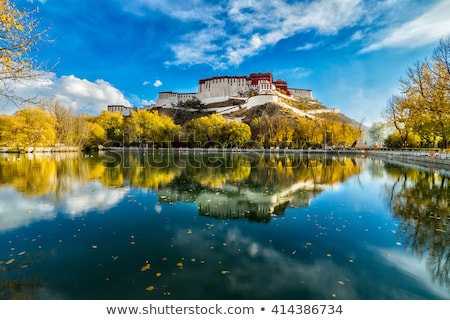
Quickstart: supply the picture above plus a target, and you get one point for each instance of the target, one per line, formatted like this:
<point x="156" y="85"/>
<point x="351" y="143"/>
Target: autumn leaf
<point x="145" y="267"/>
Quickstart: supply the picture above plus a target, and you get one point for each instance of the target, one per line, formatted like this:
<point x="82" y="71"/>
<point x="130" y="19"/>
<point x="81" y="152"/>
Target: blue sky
<point x="351" y="53"/>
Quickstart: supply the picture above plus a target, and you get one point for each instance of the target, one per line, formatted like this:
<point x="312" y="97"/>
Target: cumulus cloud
<point x="82" y="95"/>
<point x="157" y="83"/>
<point x="428" y="28"/>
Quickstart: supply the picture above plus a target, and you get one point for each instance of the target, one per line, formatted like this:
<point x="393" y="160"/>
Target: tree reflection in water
<point x="421" y="200"/>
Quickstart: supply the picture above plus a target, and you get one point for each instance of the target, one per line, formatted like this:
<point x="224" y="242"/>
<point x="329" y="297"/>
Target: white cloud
<point x="157" y="83"/>
<point x="428" y="28"/>
<point x="81" y="94"/>
<point x="294" y="73"/>
<point x="93" y="196"/>
<point x="229" y="32"/>
<point x="145" y="102"/>
<point x="145" y="83"/>
<point x="18" y="210"/>
<point x="242" y="29"/>
<point x="306" y="46"/>
<point x="358" y="35"/>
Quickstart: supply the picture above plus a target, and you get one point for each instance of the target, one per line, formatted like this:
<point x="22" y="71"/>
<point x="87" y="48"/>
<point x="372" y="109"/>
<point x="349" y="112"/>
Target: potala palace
<point x="253" y="90"/>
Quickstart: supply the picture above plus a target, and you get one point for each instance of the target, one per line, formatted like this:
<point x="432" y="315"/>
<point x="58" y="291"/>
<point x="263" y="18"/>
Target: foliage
<point x="19" y="37"/>
<point x="215" y="131"/>
<point x="112" y="123"/>
<point x="193" y="103"/>
<point x="395" y="140"/>
<point x="33" y="127"/>
<point x="422" y="108"/>
<point x="275" y="126"/>
<point x="145" y="127"/>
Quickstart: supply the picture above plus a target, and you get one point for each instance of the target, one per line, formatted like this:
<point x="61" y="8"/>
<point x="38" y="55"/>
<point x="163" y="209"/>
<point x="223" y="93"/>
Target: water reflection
<point x="421" y="199"/>
<point x="256" y="187"/>
<point x="76" y="226"/>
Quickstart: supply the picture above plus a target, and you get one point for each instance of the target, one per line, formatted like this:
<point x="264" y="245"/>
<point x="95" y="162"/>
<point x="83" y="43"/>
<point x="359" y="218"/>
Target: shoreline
<point x="432" y="159"/>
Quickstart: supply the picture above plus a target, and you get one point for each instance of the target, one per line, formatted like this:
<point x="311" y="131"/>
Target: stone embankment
<point x="39" y="149"/>
<point x="432" y="158"/>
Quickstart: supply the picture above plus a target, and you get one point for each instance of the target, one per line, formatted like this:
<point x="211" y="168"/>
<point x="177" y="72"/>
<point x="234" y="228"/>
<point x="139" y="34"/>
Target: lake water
<point x="154" y="225"/>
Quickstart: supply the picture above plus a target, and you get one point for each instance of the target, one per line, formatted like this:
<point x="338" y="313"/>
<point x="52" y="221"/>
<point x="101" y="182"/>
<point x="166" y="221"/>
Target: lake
<point x="193" y="225"/>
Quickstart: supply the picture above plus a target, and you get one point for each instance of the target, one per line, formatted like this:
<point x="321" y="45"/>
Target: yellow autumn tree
<point x="33" y="127"/>
<point x="19" y="37"/>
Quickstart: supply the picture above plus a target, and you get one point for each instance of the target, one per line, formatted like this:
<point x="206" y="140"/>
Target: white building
<point x="126" y="111"/>
<point x="222" y="88"/>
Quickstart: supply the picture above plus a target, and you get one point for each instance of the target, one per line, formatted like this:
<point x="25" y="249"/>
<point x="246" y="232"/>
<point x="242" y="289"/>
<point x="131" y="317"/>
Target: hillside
<point x="182" y="115"/>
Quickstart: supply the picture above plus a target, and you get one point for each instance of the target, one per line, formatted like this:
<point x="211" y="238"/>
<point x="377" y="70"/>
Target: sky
<point x="350" y="53"/>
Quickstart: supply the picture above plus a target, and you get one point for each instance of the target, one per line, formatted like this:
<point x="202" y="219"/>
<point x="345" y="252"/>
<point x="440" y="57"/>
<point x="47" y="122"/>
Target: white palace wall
<point x="167" y="99"/>
<point x="219" y="89"/>
<point x="222" y="87"/>
<point x="301" y="93"/>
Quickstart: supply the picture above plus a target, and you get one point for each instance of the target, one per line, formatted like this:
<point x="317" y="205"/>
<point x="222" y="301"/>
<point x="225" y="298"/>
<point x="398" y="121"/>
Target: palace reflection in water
<point x="180" y="225"/>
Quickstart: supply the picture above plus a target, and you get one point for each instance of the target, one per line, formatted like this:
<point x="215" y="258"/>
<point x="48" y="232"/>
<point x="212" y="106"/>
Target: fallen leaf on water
<point x="146" y="267"/>
<point x="150" y="288"/>
<point x="193" y="260"/>
<point x="94" y="247"/>
<point x="224" y="272"/>
<point x="180" y="264"/>
<point x="10" y="261"/>
<point x="328" y="254"/>
<point x="351" y="261"/>
<point x="340" y="282"/>
<point x="158" y="274"/>
<point x="132" y="243"/>
<point x="164" y="259"/>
